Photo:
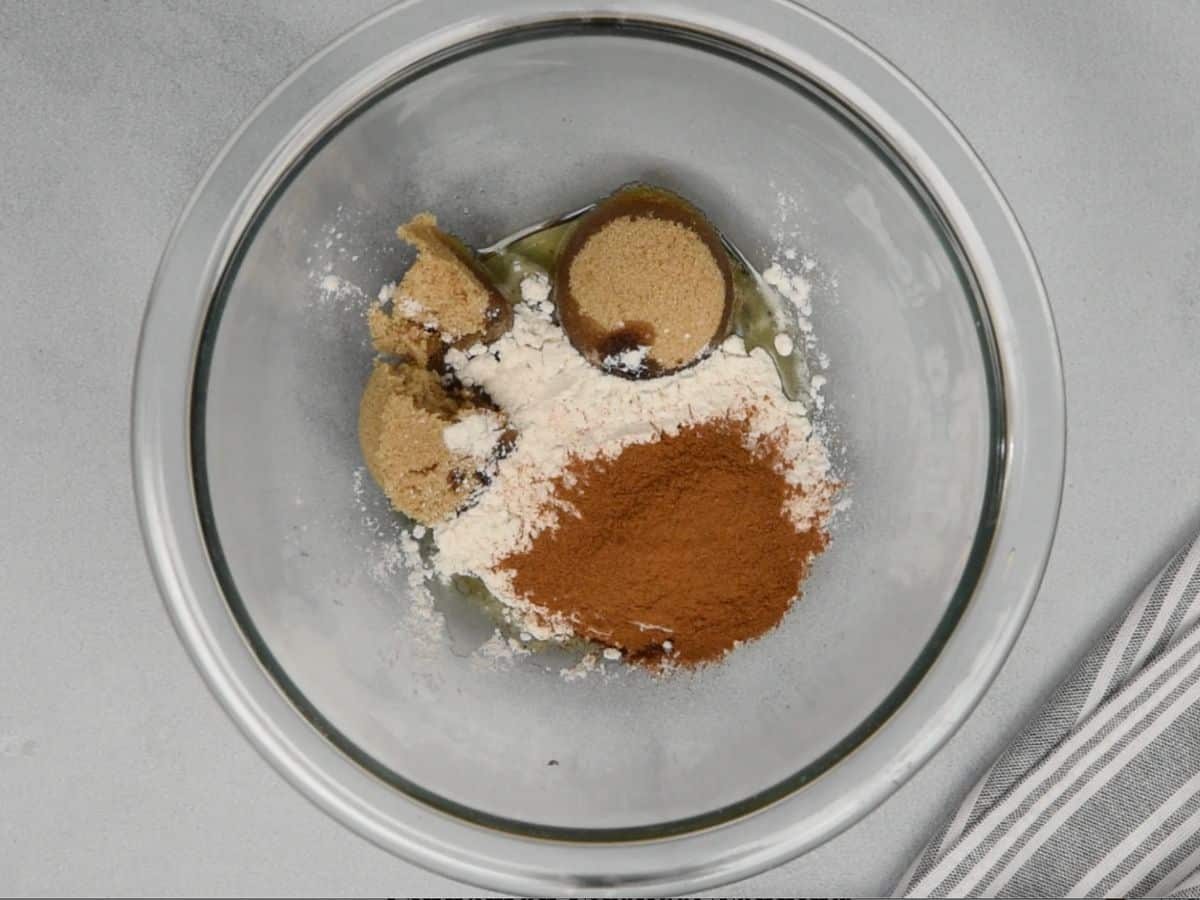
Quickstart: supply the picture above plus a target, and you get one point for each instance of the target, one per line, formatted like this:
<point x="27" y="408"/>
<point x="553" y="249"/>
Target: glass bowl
<point x="276" y="557"/>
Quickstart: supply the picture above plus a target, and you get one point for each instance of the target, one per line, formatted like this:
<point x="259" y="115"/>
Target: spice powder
<point x="679" y="548"/>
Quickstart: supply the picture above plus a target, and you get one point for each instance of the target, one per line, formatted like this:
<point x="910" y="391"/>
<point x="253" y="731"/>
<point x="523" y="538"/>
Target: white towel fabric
<point x="1100" y="794"/>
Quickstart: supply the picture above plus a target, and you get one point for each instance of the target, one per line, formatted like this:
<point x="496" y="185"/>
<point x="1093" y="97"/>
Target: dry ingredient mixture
<point x="666" y="519"/>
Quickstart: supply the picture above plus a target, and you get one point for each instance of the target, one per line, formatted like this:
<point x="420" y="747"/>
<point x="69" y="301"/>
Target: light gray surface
<point x="119" y="774"/>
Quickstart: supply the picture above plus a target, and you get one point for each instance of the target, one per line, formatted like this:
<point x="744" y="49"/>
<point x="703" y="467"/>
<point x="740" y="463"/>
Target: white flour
<point x="535" y="288"/>
<point x="334" y="291"/>
<point x="632" y="361"/>
<point x="475" y="435"/>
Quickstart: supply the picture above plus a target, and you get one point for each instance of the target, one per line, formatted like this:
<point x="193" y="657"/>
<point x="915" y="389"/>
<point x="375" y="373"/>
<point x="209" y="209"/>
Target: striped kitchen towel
<point x="1100" y="794"/>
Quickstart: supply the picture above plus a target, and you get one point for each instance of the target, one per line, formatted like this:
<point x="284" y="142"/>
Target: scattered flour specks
<point x="581" y="669"/>
<point x="499" y="652"/>
<point x="335" y="291"/>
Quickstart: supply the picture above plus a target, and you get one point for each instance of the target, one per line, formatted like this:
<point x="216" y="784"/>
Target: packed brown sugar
<point x="651" y="281"/>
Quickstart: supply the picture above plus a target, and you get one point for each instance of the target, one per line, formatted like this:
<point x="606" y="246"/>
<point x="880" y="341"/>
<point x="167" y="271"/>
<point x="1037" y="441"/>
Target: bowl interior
<point x="499" y="135"/>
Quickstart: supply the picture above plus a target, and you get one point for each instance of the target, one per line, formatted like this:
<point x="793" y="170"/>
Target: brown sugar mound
<point x="652" y="276"/>
<point x="403" y="415"/>
<point x="644" y="268"/>
<point x="678" y="548"/>
<point x="445" y="298"/>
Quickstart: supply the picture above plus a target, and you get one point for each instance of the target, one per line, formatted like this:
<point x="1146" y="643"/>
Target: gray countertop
<point x="120" y="774"/>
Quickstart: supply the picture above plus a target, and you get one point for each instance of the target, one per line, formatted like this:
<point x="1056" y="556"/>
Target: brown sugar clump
<point x="644" y="268"/>
<point x="445" y="298"/>
<point x="397" y="335"/>
<point x="402" y="419"/>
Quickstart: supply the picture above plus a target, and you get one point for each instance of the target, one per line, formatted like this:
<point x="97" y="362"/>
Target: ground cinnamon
<point x="677" y="548"/>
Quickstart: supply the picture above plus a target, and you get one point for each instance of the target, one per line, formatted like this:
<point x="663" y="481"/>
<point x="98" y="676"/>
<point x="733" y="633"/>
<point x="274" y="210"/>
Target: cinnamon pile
<point x="677" y="549"/>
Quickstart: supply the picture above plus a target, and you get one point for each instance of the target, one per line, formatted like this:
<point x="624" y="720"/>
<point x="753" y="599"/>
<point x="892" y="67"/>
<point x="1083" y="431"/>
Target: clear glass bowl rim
<point x="259" y="154"/>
